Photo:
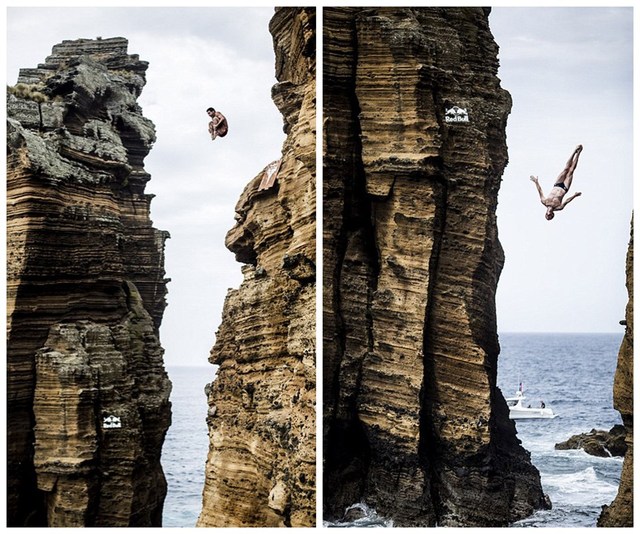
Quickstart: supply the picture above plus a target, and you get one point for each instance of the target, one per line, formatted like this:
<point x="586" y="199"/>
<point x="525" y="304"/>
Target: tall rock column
<point x="620" y="512"/>
<point x="88" y="396"/>
<point x="414" y="152"/>
<point x="261" y="466"/>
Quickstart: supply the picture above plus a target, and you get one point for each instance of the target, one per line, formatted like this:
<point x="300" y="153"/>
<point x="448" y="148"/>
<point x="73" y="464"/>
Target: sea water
<point x="573" y="375"/>
<point x="185" y="448"/>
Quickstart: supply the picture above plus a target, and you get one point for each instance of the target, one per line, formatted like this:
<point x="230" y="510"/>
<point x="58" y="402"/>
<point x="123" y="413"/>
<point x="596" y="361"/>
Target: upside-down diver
<point x="554" y="201"/>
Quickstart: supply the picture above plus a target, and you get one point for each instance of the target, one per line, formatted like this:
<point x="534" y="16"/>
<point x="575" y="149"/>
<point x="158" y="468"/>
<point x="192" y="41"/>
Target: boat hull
<point x="532" y="413"/>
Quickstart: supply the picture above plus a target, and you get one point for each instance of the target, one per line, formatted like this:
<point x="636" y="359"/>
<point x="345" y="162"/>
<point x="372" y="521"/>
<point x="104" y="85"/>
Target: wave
<point x="365" y="516"/>
<point x="561" y="517"/>
<point x="581" y="488"/>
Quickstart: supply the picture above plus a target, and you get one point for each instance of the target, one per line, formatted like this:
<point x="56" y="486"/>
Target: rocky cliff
<point x="88" y="397"/>
<point x="620" y="512"/>
<point x="414" y="150"/>
<point x="261" y="465"/>
<point x="603" y="443"/>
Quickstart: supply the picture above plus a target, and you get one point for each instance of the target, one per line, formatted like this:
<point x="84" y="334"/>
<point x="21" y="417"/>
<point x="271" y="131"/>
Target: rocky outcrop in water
<point x="261" y="465"/>
<point x="601" y="443"/>
<point x="88" y="397"/>
<point x="414" y="151"/>
<point x="620" y="512"/>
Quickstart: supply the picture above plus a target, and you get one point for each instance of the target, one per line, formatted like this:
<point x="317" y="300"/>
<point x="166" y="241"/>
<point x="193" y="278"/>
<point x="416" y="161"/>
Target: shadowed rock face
<point x="88" y="397"/>
<point x="620" y="512"/>
<point x="261" y="465"/>
<point x="414" y="135"/>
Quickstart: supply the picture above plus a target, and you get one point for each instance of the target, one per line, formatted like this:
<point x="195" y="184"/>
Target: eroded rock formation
<point x="620" y="512"/>
<point x="603" y="443"/>
<point x="88" y="397"/>
<point x="261" y="465"/>
<point x="414" y="135"/>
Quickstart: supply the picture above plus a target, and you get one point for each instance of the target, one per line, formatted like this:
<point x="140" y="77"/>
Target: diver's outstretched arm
<point x="534" y="179"/>
<point x="569" y="199"/>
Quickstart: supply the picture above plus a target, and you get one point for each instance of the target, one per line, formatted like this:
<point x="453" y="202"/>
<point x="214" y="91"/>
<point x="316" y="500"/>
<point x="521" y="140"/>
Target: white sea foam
<point x="583" y="488"/>
<point x="369" y="519"/>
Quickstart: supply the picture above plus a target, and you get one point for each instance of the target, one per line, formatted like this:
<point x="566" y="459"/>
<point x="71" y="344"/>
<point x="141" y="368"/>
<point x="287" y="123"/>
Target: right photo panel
<point x="462" y="373"/>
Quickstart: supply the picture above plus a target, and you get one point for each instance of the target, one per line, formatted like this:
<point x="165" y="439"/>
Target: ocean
<point x="573" y="375"/>
<point x="185" y="448"/>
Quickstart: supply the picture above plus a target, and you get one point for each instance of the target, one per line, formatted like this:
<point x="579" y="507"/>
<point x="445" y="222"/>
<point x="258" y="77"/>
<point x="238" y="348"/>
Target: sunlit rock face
<point x="261" y="467"/>
<point x="414" y="151"/>
<point x="620" y="512"/>
<point x="87" y="393"/>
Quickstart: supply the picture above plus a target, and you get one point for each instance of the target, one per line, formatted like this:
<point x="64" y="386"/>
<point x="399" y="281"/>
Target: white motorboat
<point x="518" y="410"/>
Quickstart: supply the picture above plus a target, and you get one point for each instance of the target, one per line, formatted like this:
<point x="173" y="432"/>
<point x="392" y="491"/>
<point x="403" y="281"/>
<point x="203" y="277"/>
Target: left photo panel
<point x="161" y="267"/>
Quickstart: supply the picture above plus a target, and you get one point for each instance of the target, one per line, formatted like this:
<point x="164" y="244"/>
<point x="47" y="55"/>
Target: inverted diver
<point x="555" y="200"/>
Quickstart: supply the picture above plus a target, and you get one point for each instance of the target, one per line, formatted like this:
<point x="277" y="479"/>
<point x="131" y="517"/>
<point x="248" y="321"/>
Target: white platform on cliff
<point x="517" y="409"/>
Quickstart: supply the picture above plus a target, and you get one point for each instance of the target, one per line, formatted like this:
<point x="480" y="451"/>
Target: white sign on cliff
<point x="456" y="114"/>
<point x="270" y="173"/>
<point x="111" y="422"/>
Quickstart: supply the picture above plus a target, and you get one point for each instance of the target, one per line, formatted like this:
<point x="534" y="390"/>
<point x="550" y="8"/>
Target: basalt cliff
<point x="87" y="394"/>
<point x="261" y="464"/>
<point x="414" y="150"/>
<point x="620" y="512"/>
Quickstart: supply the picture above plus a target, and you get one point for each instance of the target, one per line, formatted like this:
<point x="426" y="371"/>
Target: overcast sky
<point x="569" y="72"/>
<point x="198" y="57"/>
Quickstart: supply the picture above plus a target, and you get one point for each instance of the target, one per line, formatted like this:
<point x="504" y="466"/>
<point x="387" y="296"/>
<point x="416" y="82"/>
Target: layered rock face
<point x="261" y="465"/>
<point x="414" y="135"/>
<point x="620" y="512"/>
<point x="88" y="397"/>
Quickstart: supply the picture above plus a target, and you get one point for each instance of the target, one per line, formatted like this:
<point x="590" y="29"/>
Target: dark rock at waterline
<point x="601" y="443"/>
<point x="354" y="513"/>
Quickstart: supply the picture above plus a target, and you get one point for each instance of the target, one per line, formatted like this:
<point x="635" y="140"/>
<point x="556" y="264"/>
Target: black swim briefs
<point x="560" y="184"/>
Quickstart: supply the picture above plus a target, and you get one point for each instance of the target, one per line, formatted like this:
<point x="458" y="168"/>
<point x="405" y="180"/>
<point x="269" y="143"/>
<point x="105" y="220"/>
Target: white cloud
<point x="569" y="73"/>
<point x="198" y="57"/>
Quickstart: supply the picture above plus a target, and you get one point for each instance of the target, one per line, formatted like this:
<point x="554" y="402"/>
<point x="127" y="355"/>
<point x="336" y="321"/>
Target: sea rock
<point x="601" y="443"/>
<point x="88" y="396"/>
<point x="354" y="513"/>
<point x="620" y="512"/>
<point x="414" y="151"/>
<point x="260" y="470"/>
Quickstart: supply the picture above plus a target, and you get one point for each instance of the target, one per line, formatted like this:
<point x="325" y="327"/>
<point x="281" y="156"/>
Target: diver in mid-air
<point x="554" y="201"/>
<point x="218" y="126"/>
